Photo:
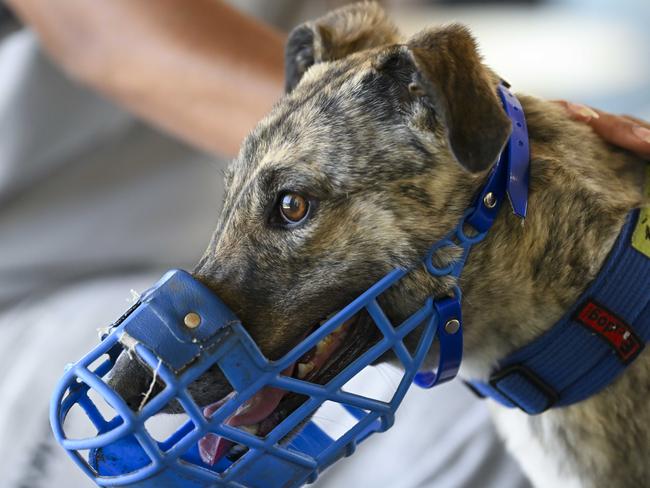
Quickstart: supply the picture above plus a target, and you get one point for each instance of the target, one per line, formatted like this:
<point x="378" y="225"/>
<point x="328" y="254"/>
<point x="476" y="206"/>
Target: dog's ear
<point x="450" y="74"/>
<point x="340" y="33"/>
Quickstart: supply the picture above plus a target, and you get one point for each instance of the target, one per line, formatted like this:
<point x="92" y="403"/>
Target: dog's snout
<point x="130" y="380"/>
<point x="221" y="280"/>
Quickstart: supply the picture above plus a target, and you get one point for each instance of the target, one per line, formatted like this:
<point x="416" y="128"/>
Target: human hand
<point x="621" y="130"/>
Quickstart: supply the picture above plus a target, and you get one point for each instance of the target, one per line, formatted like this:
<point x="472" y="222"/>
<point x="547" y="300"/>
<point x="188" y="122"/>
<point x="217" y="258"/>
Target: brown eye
<point x="293" y="207"/>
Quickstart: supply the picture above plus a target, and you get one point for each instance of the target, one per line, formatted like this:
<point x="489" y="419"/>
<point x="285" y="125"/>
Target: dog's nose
<point x="132" y="381"/>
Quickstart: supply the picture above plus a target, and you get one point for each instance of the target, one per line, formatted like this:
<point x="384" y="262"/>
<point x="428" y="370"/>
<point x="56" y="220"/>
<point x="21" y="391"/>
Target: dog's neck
<point x="526" y="274"/>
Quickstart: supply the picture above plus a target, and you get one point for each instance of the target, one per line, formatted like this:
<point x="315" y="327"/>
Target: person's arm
<point x="198" y="69"/>
<point x="621" y="130"/>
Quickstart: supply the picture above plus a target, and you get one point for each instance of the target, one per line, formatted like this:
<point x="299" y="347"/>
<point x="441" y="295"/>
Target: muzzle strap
<point x="509" y="176"/>
<point x="511" y="173"/>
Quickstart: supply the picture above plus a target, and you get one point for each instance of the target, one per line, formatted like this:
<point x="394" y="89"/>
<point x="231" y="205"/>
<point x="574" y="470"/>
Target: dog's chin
<point x="270" y="406"/>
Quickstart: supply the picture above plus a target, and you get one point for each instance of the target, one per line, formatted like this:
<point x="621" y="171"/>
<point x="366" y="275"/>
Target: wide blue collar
<point x="593" y="343"/>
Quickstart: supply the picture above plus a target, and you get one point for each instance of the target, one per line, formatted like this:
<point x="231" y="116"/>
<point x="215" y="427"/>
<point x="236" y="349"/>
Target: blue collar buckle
<point x="120" y="448"/>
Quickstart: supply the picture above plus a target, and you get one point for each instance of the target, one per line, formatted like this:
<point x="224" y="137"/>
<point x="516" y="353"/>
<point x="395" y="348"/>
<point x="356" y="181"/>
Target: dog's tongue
<point x="264" y="402"/>
<point x="254" y="410"/>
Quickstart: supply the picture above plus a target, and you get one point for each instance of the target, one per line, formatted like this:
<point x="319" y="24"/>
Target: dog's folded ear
<point x="449" y="72"/>
<point x="339" y="33"/>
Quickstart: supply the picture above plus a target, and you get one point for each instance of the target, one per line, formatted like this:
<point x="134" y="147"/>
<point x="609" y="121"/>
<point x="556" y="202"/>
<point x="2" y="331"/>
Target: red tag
<point x="617" y="333"/>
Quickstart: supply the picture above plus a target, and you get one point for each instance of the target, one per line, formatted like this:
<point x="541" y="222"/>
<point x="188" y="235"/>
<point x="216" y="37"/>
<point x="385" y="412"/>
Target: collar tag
<point x="618" y="334"/>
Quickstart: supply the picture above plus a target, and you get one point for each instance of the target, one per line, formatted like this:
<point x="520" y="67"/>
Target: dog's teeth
<point x="237" y="451"/>
<point x="304" y="369"/>
<point x="322" y="346"/>
<point x="251" y="429"/>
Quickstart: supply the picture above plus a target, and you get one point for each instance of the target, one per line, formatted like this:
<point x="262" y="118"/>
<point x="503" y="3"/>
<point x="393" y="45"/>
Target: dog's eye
<point x="293" y="207"/>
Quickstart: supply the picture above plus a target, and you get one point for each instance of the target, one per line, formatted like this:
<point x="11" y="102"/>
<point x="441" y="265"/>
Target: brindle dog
<point x="374" y="153"/>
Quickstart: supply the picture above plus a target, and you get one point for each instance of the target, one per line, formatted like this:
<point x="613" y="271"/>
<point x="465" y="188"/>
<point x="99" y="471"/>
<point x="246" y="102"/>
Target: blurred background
<point x="95" y="202"/>
<point x="591" y="51"/>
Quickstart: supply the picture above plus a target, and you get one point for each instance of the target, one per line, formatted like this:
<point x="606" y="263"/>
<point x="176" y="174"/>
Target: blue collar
<point x="593" y="343"/>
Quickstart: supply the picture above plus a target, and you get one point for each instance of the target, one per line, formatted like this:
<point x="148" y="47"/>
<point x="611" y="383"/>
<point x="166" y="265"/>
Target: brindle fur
<point x="392" y="140"/>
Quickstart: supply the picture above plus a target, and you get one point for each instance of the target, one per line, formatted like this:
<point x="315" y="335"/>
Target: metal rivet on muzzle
<point x="452" y="326"/>
<point x="192" y="320"/>
<point x="490" y="200"/>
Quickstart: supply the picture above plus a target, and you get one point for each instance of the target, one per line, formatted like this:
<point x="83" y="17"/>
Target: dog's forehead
<point x="329" y="115"/>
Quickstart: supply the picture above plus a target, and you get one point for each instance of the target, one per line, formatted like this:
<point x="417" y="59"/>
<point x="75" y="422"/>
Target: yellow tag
<point x="641" y="236"/>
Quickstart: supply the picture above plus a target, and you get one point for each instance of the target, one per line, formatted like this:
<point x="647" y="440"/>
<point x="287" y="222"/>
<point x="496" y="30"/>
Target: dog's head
<point x="372" y="155"/>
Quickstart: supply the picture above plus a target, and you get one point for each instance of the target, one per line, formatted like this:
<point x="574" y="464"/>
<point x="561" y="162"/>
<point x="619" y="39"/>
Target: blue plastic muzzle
<point x="124" y="453"/>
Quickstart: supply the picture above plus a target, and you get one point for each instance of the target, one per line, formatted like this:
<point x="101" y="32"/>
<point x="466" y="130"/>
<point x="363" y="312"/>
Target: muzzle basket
<point x="125" y="453"/>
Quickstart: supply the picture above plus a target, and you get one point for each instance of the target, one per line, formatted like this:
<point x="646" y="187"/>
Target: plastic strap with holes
<point x="510" y="174"/>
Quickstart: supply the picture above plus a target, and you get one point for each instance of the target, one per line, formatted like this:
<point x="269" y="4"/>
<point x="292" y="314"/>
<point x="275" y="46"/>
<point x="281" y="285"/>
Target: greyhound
<point x="375" y="152"/>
